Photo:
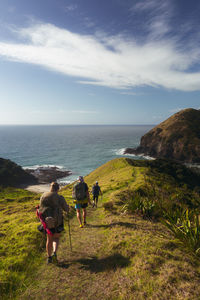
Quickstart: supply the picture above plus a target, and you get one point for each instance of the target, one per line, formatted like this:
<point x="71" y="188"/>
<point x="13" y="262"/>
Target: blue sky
<point x="98" y="62"/>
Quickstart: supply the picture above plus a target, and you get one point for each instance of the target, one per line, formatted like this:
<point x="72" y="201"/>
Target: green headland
<point x="142" y="242"/>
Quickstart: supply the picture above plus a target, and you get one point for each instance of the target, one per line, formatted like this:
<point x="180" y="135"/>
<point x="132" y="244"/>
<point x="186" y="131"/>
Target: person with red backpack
<point x="81" y="199"/>
<point x="50" y="213"/>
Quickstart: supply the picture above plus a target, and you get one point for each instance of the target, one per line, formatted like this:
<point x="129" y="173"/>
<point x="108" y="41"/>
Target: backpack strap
<point x="39" y="215"/>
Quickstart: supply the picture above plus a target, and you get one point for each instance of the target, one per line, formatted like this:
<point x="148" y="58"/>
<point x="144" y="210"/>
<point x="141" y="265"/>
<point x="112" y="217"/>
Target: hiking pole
<point x="70" y="241"/>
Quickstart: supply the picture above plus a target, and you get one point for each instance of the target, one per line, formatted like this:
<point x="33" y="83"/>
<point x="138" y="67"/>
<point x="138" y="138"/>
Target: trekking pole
<point x="70" y="241"/>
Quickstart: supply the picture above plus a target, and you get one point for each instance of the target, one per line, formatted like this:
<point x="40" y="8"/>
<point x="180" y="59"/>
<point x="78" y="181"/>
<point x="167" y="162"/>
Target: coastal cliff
<point x="12" y="174"/>
<point x="176" y="138"/>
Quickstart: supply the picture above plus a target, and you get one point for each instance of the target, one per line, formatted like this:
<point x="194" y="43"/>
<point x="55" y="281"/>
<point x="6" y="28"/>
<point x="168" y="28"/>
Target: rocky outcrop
<point x="48" y="174"/>
<point x="176" y="138"/>
<point x="12" y="174"/>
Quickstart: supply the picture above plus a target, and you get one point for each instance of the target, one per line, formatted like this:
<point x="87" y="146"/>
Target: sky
<point x="98" y="62"/>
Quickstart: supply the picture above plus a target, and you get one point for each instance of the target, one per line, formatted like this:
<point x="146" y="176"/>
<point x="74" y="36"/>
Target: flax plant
<point x="186" y="228"/>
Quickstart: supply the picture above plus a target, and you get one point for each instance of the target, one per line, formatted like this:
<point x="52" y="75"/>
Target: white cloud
<point x="89" y="23"/>
<point x="71" y="7"/>
<point x="158" y="22"/>
<point x="154" y="5"/>
<point x="112" y="61"/>
<point x="131" y="93"/>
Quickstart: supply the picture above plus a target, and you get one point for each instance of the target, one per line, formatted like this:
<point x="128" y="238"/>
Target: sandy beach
<point x="38" y="188"/>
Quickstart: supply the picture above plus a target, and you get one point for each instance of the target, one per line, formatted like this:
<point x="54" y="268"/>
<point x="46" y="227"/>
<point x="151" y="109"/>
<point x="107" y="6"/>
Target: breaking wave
<point x="122" y="150"/>
<point x="44" y="167"/>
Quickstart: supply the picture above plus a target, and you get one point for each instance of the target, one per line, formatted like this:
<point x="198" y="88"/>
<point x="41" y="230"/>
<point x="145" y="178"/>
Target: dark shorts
<point x="79" y="205"/>
<point x="95" y="197"/>
<point x="58" y="229"/>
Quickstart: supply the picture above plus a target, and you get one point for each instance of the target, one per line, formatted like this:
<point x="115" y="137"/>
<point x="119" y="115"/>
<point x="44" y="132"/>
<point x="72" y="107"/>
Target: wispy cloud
<point x="159" y="15"/>
<point x="89" y="23"/>
<point x="112" y="61"/>
<point x="70" y="7"/>
<point x="131" y="93"/>
<point x="154" y="5"/>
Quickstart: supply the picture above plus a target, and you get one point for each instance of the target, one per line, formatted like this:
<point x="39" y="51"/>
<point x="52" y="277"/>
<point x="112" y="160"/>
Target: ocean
<point x="80" y="149"/>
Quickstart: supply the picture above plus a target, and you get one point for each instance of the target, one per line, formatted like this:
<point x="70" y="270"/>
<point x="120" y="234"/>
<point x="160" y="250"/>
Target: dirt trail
<point x="85" y="273"/>
<point x="116" y="257"/>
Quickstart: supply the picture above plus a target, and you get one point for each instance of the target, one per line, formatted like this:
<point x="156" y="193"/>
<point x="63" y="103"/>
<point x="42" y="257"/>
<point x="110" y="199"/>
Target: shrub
<point x="185" y="226"/>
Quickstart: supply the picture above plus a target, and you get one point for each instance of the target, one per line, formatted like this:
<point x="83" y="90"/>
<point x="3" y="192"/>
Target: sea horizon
<point x="76" y="148"/>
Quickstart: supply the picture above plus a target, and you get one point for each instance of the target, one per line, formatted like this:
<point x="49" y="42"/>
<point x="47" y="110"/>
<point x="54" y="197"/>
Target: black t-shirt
<point x="96" y="190"/>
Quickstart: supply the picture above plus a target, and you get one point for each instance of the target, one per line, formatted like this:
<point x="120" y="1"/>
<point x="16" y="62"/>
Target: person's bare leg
<point x="49" y="245"/>
<point x="84" y="215"/>
<point x="56" y="237"/>
<point x="78" y="213"/>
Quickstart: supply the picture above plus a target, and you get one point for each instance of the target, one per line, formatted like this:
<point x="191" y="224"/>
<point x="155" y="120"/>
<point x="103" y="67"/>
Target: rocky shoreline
<point x="47" y="174"/>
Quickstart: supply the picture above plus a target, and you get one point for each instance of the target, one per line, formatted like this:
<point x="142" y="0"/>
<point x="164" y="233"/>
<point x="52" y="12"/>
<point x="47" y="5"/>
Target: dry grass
<point x="118" y="257"/>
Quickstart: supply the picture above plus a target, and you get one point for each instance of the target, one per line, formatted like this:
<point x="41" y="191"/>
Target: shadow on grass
<point x="124" y="224"/>
<point x="63" y="264"/>
<point x="111" y="262"/>
<point x="97" y="265"/>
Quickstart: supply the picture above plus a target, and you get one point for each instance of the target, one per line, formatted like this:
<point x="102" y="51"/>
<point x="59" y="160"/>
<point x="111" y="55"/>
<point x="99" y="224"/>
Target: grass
<point x="124" y="252"/>
<point x="118" y="257"/>
<point x="20" y="243"/>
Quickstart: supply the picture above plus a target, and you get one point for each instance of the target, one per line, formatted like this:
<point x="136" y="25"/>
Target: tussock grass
<point x="20" y="243"/>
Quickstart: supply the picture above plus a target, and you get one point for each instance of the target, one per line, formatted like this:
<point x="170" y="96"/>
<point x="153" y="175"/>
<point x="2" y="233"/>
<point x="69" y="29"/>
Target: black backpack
<point x="80" y="191"/>
<point x="95" y="190"/>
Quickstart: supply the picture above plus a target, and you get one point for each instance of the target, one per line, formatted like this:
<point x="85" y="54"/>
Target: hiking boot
<point x="54" y="258"/>
<point x="49" y="260"/>
<point x="85" y="223"/>
<point x="81" y="226"/>
<point x="93" y="204"/>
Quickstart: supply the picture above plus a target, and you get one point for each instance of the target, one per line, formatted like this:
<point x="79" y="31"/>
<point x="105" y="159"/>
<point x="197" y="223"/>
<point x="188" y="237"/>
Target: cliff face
<point x="176" y="138"/>
<point x="12" y="174"/>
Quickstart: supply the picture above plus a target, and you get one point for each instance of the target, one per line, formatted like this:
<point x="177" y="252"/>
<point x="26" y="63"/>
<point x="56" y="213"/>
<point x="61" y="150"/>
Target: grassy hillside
<point x="125" y="245"/>
<point x="162" y="182"/>
<point x="20" y="243"/>
<point x="158" y="190"/>
<point x="125" y="252"/>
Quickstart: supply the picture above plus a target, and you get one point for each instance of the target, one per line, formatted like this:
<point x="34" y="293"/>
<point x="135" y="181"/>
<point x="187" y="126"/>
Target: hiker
<point x="81" y="195"/>
<point x="50" y="213"/>
<point x="95" y="191"/>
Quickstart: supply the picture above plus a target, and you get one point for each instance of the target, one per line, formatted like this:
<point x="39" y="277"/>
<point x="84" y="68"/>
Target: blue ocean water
<point x="80" y="149"/>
